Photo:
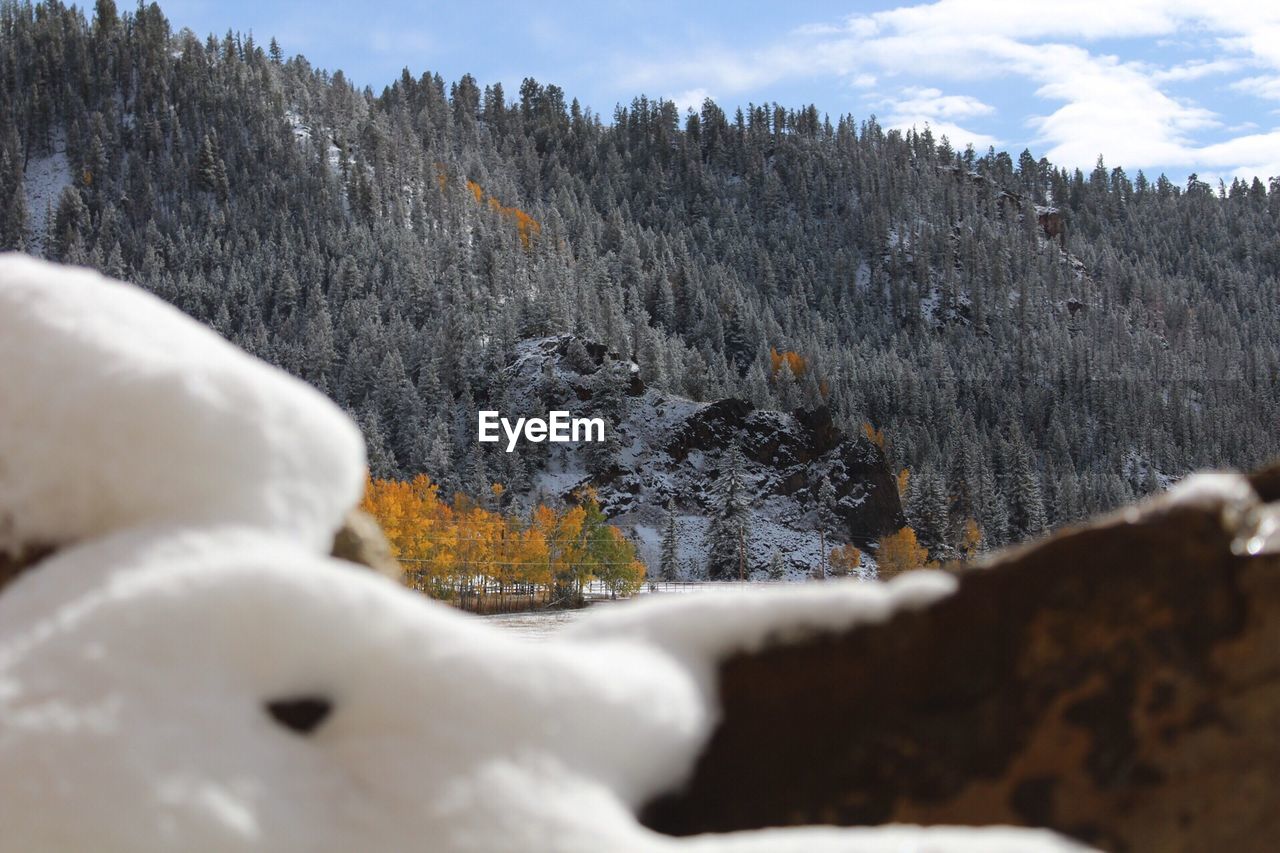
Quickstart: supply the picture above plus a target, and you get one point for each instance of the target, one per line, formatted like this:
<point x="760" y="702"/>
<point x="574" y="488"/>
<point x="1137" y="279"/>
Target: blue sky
<point x="1173" y="86"/>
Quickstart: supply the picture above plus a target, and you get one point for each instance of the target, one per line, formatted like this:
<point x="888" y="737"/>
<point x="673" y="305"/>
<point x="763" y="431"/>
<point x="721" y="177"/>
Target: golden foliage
<point x="447" y="546"/>
<point x="792" y="360"/>
<point x="904" y="482"/>
<point x="845" y="560"/>
<point x="970" y="538"/>
<point x="875" y="436"/>
<point x="526" y="226"/>
<point x="900" y="552"/>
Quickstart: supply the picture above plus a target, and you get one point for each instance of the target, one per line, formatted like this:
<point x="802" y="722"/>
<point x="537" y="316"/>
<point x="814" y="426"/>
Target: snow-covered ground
<point x="45" y="179"/>
<point x="535" y="625"/>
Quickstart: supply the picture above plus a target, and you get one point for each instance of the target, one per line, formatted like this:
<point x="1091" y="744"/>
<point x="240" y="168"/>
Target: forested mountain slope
<point x="1035" y="344"/>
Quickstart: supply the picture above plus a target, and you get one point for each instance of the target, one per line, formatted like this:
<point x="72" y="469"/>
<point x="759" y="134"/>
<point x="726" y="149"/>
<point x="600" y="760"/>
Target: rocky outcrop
<point x="1051" y="222"/>
<point x="361" y="541"/>
<point x="1119" y="683"/>
<point x="795" y="451"/>
<point x="672" y="448"/>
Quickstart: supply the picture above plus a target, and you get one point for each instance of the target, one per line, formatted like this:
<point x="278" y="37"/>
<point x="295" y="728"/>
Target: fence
<point x="485" y="595"/>
<point x="596" y="589"/>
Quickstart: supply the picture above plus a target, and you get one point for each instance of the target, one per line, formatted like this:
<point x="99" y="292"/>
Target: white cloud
<point x="1259" y="87"/>
<point x="1245" y="156"/>
<point x="931" y="102"/>
<point x="1094" y="103"/>
<point x="1195" y="70"/>
<point x="958" y="136"/>
<point x="918" y="107"/>
<point x="691" y="99"/>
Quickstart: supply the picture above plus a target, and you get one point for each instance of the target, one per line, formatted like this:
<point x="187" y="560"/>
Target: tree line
<point x="465" y="551"/>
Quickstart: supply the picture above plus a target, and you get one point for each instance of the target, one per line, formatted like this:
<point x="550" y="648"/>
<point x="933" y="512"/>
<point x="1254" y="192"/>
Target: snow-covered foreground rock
<point x="136" y="671"/>
<point x="189" y="672"/>
<point x="117" y="410"/>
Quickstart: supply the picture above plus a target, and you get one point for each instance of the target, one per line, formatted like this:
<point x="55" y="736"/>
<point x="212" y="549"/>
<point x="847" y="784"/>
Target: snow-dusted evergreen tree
<point x="607" y="404"/>
<point x="382" y="461"/>
<point x="669" y="560"/>
<point x="827" y="523"/>
<point x="729" y="532"/>
<point x="13" y="212"/>
<point x="776" y="570"/>
<point x="928" y="513"/>
<point x="1026" y="499"/>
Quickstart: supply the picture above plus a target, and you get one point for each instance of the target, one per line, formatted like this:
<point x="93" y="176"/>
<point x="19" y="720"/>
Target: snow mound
<point x="135" y="673"/>
<point x="701" y="630"/>
<point x="116" y="409"/>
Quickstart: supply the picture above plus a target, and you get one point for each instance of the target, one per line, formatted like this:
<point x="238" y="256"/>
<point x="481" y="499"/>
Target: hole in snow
<point x="301" y="714"/>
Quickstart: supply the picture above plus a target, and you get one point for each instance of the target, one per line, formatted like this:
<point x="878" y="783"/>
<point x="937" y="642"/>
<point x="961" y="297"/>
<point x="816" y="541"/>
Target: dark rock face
<point x="798" y="449"/>
<point x="12" y="565"/>
<point x="1118" y="683"/>
<point x="1052" y="223"/>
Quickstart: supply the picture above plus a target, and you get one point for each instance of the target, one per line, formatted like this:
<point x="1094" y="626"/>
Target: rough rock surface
<point x="360" y="540"/>
<point x="671" y="447"/>
<point x="1119" y="683"/>
<point x="12" y="565"/>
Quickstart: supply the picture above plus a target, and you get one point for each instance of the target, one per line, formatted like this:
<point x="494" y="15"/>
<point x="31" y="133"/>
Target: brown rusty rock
<point x="1052" y="223"/>
<point x="360" y="540"/>
<point x="12" y="565"/>
<point x="1119" y="683"/>
<point x="1267" y="482"/>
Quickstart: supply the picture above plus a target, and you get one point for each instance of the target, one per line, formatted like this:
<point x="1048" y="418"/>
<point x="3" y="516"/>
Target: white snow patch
<point x="303" y="133"/>
<point x="119" y="410"/>
<point x="1209" y="490"/>
<point x="703" y="629"/>
<point x="44" y="180"/>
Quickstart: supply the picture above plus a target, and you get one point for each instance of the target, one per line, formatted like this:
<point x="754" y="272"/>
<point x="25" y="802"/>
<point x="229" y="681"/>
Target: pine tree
<point x="382" y="462"/>
<point x="1027" y="513"/>
<point x="729" y="535"/>
<point x="928" y="512"/>
<point x="776" y="570"/>
<point x="607" y="404"/>
<point x="670" y="543"/>
<point x="827" y="521"/>
<point x="13" y="197"/>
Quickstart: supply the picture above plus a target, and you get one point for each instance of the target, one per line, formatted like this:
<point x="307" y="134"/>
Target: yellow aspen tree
<point x="845" y="560"/>
<point x="900" y="552"/>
